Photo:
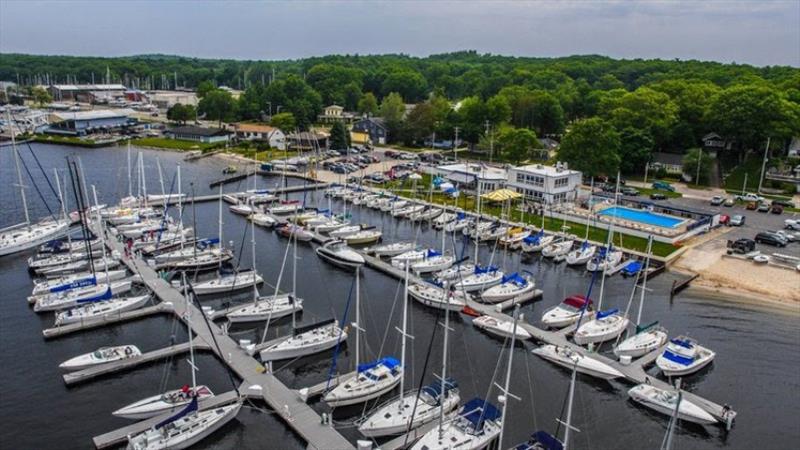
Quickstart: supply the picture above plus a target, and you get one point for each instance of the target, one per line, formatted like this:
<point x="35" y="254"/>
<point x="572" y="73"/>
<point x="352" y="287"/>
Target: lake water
<point x="756" y="368"/>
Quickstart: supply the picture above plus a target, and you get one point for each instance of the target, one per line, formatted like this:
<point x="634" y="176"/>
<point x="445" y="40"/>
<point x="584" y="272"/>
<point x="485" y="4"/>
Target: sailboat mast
<point x="189" y="327"/>
<point x="102" y="235"/>
<point x="568" y="425"/>
<point x="219" y="226"/>
<point x="644" y="280"/>
<point x="294" y="279"/>
<point x="144" y="179"/>
<point x="358" y="320"/>
<point x="506" y="394"/>
<point x="444" y="354"/>
<point x="130" y="182"/>
<point x="403" y="337"/>
<point x="160" y="177"/>
<point x="180" y="209"/>
<point x="253" y="250"/>
<point x="19" y="174"/>
<point x="477" y="219"/>
<point x="60" y="197"/>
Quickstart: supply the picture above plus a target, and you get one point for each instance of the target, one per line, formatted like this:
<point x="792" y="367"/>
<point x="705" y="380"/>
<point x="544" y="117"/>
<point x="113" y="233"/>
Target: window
<point x="561" y="182"/>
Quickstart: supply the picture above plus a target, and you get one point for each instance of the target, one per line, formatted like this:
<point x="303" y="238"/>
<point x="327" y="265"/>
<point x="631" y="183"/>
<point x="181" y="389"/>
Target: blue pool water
<point x="642" y="216"/>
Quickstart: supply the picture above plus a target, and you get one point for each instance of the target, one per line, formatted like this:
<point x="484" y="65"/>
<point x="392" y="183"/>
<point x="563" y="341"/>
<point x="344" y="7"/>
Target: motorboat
<point x="537" y="242"/>
<point x="291" y="230"/>
<point x="306" y="340"/>
<point x="683" y="356"/>
<point x="366" y="236"/>
<point x="568" y="312"/>
<point x="581" y="255"/>
<point x="410" y="257"/>
<point x="102" y="355"/>
<point x="456" y="272"/>
<point x="100" y="310"/>
<point x="500" y="327"/>
<point x="393" y="249"/>
<point x="436" y="297"/>
<point x="665" y="402"/>
<point x="228" y="283"/>
<point x="340" y="254"/>
<point x="427" y="405"/>
<point x="514" y="238"/>
<point x="75" y="281"/>
<point x="475" y="427"/>
<point x="370" y="381"/>
<point x="266" y="308"/>
<point x="570" y="359"/>
<point x="481" y="278"/>
<point x="558" y="249"/>
<point x="646" y="340"/>
<point x="605" y="326"/>
<point x="511" y="286"/>
<point x="76" y="297"/>
<point x="185" y="429"/>
<point x="433" y="262"/>
<point x="605" y="259"/>
<point x="263" y="220"/>
<point x="166" y="403"/>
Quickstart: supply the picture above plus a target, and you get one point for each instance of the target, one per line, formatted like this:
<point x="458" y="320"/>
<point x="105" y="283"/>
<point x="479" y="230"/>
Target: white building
<point x="547" y="184"/>
<point x="263" y="133"/>
<point x="465" y="174"/>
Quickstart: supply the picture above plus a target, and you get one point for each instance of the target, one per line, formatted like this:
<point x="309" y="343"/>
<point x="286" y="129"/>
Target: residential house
<point x="670" y="162"/>
<point x="335" y="113"/>
<point x="545" y="184"/>
<point x="262" y="133"/>
<point x="199" y="134"/>
<point x="374" y="127"/>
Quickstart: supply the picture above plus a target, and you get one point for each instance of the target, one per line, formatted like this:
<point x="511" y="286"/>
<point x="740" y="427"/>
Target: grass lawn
<point x="262" y="155"/>
<point x="172" y="144"/>
<point x="64" y="140"/>
<point x="647" y="191"/>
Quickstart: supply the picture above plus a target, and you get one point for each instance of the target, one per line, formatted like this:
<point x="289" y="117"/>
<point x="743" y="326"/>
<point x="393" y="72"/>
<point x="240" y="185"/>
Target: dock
<point x="50" y="333"/>
<point x="215" y="197"/>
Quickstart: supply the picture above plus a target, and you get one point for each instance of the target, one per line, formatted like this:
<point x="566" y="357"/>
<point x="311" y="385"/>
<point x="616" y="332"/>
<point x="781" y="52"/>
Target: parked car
<point x="741" y="246"/>
<point x="657" y="196"/>
<point x="749" y="197"/>
<point x="763" y="207"/>
<point x="792" y="224"/>
<point x="788" y="237"/>
<point x="724" y="219"/>
<point x="784" y="203"/>
<point x="767" y="237"/>
<point x="751" y="206"/>
<point x="776" y="209"/>
<point x="728" y="202"/>
<point x="630" y="191"/>
<point x="390" y="153"/>
<point x="737" y="220"/>
<point x="717" y="200"/>
<point x="663" y="186"/>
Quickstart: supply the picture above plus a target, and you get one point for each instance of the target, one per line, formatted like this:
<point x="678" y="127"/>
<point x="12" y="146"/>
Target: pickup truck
<point x="750" y="197"/>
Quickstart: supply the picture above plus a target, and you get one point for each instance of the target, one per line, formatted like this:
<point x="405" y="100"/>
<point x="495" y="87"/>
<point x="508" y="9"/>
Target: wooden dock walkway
<point x="50" y="333"/>
<point x="215" y="197"/>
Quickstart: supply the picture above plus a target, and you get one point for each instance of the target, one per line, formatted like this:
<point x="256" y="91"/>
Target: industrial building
<point x="86" y="93"/>
<point x="199" y="134"/>
<point x="81" y="123"/>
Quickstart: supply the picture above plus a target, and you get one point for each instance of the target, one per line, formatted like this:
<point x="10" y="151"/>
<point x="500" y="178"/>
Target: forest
<point x="609" y="114"/>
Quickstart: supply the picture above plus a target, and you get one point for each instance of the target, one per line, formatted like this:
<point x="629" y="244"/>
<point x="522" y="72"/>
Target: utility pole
<point x="455" y="145"/>
<point x="763" y="166"/>
<point x="646" y="166"/>
<point x="699" y="159"/>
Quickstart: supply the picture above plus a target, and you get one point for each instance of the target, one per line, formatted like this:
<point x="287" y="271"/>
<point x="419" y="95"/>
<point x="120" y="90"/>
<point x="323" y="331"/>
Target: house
<point x="359" y="138"/>
<point x="85" y="92"/>
<point x="466" y="175"/>
<point x="262" y="133"/>
<point x="794" y="147"/>
<point x="374" y="127"/>
<point x="199" y="134"/>
<point x="335" y="113"/>
<point x="81" y="123"/>
<point x="545" y="184"/>
<point x="307" y="141"/>
<point x="670" y="162"/>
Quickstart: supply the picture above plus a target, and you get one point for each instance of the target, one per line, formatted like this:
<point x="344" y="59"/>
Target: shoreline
<point x="742" y="297"/>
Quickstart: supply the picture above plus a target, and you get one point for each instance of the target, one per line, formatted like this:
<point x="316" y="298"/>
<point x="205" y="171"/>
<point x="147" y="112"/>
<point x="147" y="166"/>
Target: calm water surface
<point x="756" y="369"/>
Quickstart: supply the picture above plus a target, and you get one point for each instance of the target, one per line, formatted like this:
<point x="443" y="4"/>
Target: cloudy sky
<point x="765" y="32"/>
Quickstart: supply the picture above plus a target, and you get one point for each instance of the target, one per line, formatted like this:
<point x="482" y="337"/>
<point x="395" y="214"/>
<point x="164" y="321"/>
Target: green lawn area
<point x="752" y="167"/>
<point x="64" y="140"/>
<point x="468" y="203"/>
<point x="647" y="191"/>
<point x="172" y="144"/>
<point x="262" y="155"/>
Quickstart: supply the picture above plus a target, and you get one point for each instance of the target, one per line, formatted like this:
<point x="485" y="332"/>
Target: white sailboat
<point x="263" y="220"/>
<point x="101" y="356"/>
<point x="436" y="297"/>
<point x="393" y="249"/>
<point x="567" y="312"/>
<point x="570" y="359"/>
<point x="456" y="272"/>
<point x="340" y="254"/>
<point x="558" y="249"/>
<point x="433" y="262"/>
<point x="482" y="278"/>
<point x="581" y="255"/>
<point x="168" y="402"/>
<point x="410" y="257"/>
<point x="306" y="340"/>
<point x="101" y="310"/>
<point x="74" y="281"/>
<point x="500" y="327"/>
<point x="228" y="283"/>
<point x="443" y="219"/>
<point x="366" y="236"/>
<point x="76" y="297"/>
<point x="536" y="242"/>
<point x="511" y="286"/>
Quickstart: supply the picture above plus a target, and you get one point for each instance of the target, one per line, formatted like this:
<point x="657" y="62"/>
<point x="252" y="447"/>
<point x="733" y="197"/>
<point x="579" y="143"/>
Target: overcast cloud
<point x="765" y="32"/>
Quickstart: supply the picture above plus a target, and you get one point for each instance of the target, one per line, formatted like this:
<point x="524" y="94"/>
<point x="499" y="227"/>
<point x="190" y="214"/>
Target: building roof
<point x="547" y="171"/>
<point x="306" y="135"/>
<point x="711" y="135"/>
<point x="668" y="158"/>
<point x="335" y="107"/>
<point x="198" y="131"/>
<point x="254" y="128"/>
<point x="549" y="143"/>
<point x="89" y="87"/>
<point x="94" y="114"/>
<point x="376" y="120"/>
<point x="470" y="170"/>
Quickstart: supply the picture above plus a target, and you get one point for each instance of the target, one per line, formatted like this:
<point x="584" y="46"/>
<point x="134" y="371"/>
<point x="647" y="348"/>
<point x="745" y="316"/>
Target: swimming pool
<point x="643" y="216"/>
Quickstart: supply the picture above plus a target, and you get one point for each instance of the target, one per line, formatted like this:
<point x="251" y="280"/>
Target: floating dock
<point x="140" y="313"/>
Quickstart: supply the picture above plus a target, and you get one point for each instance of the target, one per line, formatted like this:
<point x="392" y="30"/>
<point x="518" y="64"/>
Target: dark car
<point x="741" y="246"/>
<point x="776" y="209"/>
<point x="784" y="203"/>
<point x="766" y="237"/>
<point x="630" y="191"/>
<point x="657" y="196"/>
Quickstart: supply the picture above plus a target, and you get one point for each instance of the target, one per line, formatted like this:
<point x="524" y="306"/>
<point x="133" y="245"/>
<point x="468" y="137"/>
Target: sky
<point x="765" y="32"/>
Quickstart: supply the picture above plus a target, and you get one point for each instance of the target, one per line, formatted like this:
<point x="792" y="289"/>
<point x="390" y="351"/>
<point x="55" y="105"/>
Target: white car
<point x="788" y="237"/>
<point x="792" y="224"/>
<point x="750" y="197"/>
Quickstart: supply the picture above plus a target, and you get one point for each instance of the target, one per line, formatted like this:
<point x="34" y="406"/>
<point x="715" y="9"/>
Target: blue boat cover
<point x="98" y="298"/>
<point x="515" y="278"/>
<point x="190" y="408"/>
<point x="585" y="245"/>
<point x="91" y="281"/>
<point x="432" y="253"/>
<point x="438" y="180"/>
<point x="546" y="441"/>
<point x="676" y="358"/>
<point x="477" y="411"/>
<point x="203" y="243"/>
<point x="435" y="389"/>
<point x="685" y="343"/>
<point x="601" y="253"/>
<point x="461" y="216"/>
<point x="534" y="239"/>
<point x="606" y="313"/>
<point x="387" y="361"/>
<point x="632" y="268"/>
<point x="487" y="269"/>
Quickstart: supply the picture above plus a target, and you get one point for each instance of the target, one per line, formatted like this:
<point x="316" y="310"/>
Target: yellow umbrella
<point x="501" y="195"/>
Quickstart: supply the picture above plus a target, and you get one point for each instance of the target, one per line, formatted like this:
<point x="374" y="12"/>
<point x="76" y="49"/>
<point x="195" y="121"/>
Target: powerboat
<point x="581" y="255"/>
<point x="570" y="359"/>
<point x="481" y="278"/>
<point x="500" y="327"/>
<point x="537" y="242"/>
<point x="567" y="312"/>
<point x="306" y="340"/>
<point x="370" y="381"/>
<point x="266" y="308"/>
<point x="605" y="326"/>
<point x="166" y="403"/>
<point x="665" y="402"/>
<point x="511" y="286"/>
<point x="228" y="283"/>
<point x="393" y="249"/>
<point x="101" y="356"/>
<point x="436" y="297"/>
<point x="683" y="356"/>
<point x="340" y="254"/>
<point x="476" y="426"/>
<point x="100" y="310"/>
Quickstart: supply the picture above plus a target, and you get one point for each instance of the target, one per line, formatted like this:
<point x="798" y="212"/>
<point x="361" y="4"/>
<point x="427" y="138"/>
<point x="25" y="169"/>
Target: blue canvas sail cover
<point x="98" y="298"/>
<point x="203" y="243"/>
<point x="585" y="245"/>
<point x="477" y="411"/>
<point x="545" y="441"/>
<point x="91" y="281"/>
<point x="515" y="278"/>
<point x="432" y="253"/>
<point x="487" y="269"/>
<point x="434" y="390"/>
<point x="461" y="216"/>
<point x="534" y="239"/>
<point x="601" y="252"/>
<point x="190" y="408"/>
<point x="632" y="268"/>
<point x="388" y="361"/>
<point x="606" y="313"/>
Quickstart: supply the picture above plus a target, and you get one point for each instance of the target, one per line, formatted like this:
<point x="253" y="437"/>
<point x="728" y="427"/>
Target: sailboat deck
<point x="50" y="333"/>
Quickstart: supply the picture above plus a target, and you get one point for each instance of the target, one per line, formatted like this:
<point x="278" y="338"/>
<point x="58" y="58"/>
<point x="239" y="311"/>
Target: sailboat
<point x="433" y="261"/>
<point x="500" y="327"/>
<point x="511" y="286"/>
<point x="340" y="254"/>
<point x="227" y="283"/>
<point x="101" y="356"/>
<point x="581" y="255"/>
<point x="570" y="359"/>
<point x="372" y="379"/>
<point x="647" y="337"/>
<point x="481" y="278"/>
<point x="74" y="281"/>
<point x="306" y="340"/>
<point x="567" y="312"/>
<point x="536" y="242"/>
<point x="101" y="310"/>
<point x="393" y="249"/>
<point x="437" y="297"/>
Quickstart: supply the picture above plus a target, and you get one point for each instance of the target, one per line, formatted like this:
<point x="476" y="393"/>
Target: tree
<point x="392" y="110"/>
<point x="368" y="104"/>
<point x="41" y="96"/>
<point x="636" y="147"/>
<point x="644" y="109"/>
<point x="517" y="144"/>
<point x="296" y="96"/>
<point x="690" y="165"/>
<point x="181" y="113"/>
<point x="204" y="88"/>
<point x="335" y="83"/>
<point x="547" y="115"/>
<point x="284" y="122"/>
<point x="411" y="85"/>
<point x="218" y="105"/>
<point x="592" y="146"/>
<point x="340" y="137"/>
